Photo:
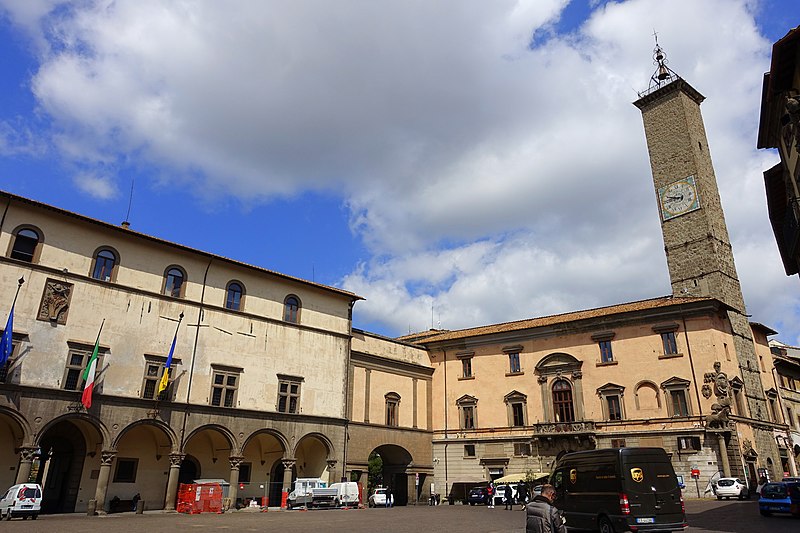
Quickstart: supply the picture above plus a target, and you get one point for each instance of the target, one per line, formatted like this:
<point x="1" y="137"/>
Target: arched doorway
<point x="388" y="468"/>
<point x="65" y="447"/>
<point x="190" y="470"/>
<point x="261" y="470"/>
<point x="142" y="458"/>
<point x="311" y="455"/>
<point x="210" y="448"/>
<point x="11" y="439"/>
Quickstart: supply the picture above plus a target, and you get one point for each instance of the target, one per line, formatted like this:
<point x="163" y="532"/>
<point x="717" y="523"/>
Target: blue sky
<point x="455" y="163"/>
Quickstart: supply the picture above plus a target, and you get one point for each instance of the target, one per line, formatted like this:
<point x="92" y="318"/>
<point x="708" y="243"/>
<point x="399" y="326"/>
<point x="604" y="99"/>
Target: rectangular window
<point x="153" y="372"/>
<point x="289" y="395"/>
<point x="513" y="363"/>
<point x="773" y="411"/>
<point x="679" y="406"/>
<point x="224" y="384"/>
<point x="245" y="470"/>
<point x="468" y="417"/>
<point x="614" y="407"/>
<point x="126" y="470"/>
<point x="518" y="414"/>
<point x="469" y="450"/>
<point x="605" y="352"/>
<point x="689" y="443"/>
<point x="391" y="413"/>
<point x="617" y="443"/>
<point x="522" y="449"/>
<point x="669" y="343"/>
<point x="466" y="367"/>
<point x="77" y="360"/>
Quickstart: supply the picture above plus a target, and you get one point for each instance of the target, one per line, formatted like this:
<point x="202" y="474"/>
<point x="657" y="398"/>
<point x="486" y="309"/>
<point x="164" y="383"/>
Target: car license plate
<point x="645" y="520"/>
<point x="774" y="508"/>
<point x="27" y="506"/>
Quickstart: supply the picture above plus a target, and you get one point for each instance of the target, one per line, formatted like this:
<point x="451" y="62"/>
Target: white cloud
<point x="493" y="180"/>
<point x="97" y="186"/>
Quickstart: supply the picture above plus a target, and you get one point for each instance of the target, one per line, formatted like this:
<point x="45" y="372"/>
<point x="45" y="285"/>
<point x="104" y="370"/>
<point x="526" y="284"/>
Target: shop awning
<point x="516" y="478"/>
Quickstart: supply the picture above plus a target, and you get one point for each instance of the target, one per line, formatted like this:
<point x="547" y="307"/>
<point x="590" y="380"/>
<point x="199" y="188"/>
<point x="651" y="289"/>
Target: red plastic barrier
<point x="195" y="498"/>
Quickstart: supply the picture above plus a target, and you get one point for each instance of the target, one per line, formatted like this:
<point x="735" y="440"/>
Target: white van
<point x="301" y="495"/>
<point x="21" y="500"/>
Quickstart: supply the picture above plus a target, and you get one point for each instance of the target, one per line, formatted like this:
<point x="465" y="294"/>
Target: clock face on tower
<point x="678" y="198"/>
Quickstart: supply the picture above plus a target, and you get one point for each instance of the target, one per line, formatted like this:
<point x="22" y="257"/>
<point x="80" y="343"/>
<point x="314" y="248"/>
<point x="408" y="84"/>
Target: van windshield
<point x="643" y="476"/>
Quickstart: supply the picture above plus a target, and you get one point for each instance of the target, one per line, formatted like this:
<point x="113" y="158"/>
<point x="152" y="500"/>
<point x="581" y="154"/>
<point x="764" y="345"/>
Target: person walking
<point x="522" y="494"/>
<point x="389" y="501"/>
<point x="490" y="496"/>
<point x="509" y="498"/>
<point x="541" y="516"/>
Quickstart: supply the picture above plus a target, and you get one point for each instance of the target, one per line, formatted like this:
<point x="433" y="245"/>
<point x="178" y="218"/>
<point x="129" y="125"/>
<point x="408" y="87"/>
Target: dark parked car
<point x="478" y="496"/>
<point x="781" y="497"/>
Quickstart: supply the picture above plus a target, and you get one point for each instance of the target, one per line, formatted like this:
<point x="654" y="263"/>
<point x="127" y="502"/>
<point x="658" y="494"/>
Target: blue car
<point x="781" y="497"/>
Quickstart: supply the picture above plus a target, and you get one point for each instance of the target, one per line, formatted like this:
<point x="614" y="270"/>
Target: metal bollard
<point x="140" y="507"/>
<point x="91" y="507"/>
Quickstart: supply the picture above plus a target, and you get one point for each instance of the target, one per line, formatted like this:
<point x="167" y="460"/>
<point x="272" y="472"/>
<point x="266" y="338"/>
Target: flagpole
<point x="7" y="339"/>
<point x="19" y="286"/>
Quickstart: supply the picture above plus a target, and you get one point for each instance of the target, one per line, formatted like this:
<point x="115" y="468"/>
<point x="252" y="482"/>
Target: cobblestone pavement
<point x="706" y="516"/>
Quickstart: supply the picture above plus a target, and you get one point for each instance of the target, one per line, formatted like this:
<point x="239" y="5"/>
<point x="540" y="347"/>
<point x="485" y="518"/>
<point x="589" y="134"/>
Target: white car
<point x="731" y="487"/>
<point x="21" y="500"/>
<point x="377" y="498"/>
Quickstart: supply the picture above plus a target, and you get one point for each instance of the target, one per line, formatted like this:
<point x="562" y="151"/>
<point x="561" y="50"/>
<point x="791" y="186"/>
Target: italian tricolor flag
<point x="89" y="373"/>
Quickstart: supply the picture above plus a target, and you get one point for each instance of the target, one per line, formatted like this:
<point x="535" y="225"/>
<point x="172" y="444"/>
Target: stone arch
<point x="15" y="432"/>
<point x="168" y="431"/>
<point x="207" y="451"/>
<point x="311" y="454"/>
<point x="262" y="455"/>
<point x="143" y="447"/>
<point x="72" y="446"/>
<point x="222" y="430"/>
<point x="647" y="396"/>
<point x="396" y="461"/>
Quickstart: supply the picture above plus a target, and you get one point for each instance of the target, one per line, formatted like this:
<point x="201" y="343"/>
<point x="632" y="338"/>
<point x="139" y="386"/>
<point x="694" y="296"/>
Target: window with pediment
<point x="516" y="408"/>
<point x="467" y="412"/>
<point x="611" y="401"/>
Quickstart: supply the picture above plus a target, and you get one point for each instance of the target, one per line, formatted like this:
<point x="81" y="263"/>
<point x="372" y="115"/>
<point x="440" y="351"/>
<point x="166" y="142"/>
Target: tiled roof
<point x="433" y="336"/>
<point x="134" y="233"/>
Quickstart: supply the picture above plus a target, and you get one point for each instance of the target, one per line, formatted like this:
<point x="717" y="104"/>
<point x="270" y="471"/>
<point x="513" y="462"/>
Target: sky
<point x="456" y="163"/>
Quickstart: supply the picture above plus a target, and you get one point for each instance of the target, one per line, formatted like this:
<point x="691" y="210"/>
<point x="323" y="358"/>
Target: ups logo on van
<point x="637" y="475"/>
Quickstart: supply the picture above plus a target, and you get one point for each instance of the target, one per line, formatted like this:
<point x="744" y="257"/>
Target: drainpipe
<point x="347" y="395"/>
<point x="446" y="444"/>
<point x="691" y="363"/>
<point x="194" y="354"/>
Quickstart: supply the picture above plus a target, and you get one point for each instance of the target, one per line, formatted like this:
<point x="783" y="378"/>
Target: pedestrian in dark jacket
<point x="541" y="516"/>
<point x="509" y="498"/>
<point x="522" y="494"/>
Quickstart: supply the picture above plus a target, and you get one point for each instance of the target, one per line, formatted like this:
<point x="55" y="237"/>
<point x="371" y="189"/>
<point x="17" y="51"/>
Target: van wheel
<point x="34" y="517"/>
<point x="604" y="525"/>
<point x="8" y="515"/>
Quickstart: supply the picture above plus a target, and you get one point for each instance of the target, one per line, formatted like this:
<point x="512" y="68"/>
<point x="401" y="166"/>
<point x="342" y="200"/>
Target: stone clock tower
<point x="696" y="241"/>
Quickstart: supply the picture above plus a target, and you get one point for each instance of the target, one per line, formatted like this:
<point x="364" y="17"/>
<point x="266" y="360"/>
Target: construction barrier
<point x="196" y="498"/>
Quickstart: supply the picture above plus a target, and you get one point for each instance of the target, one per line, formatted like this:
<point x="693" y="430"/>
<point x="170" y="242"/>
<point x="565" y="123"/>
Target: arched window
<point x="25" y="243"/>
<point x="291" y="309"/>
<point x="562" y="401"/>
<point x="233" y="298"/>
<point x="392" y="409"/>
<point x="104" y="262"/>
<point x="173" y="282"/>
